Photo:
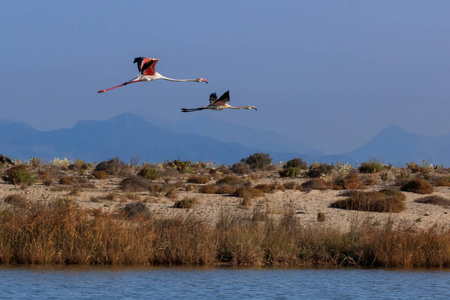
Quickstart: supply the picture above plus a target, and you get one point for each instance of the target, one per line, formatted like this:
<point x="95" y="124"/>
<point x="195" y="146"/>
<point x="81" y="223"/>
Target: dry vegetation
<point x="250" y="213"/>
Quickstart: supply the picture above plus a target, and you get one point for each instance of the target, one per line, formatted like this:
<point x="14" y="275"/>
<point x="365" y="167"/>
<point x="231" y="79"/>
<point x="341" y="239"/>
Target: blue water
<point x="187" y="283"/>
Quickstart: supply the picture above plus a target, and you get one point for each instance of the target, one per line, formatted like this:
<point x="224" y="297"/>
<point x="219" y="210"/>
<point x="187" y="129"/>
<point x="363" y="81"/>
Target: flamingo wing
<point x="212" y="98"/>
<point x="223" y="99"/>
<point x="146" y="65"/>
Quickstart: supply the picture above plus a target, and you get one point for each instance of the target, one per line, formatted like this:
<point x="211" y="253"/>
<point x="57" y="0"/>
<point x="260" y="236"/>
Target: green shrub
<point x="183" y="166"/>
<point x="150" y="172"/>
<point x="418" y="185"/>
<point x="318" y="170"/>
<point x="371" y="167"/>
<point x="19" y="175"/>
<point x="290" y="172"/>
<point x="258" y="161"/>
<point x="296" y="163"/>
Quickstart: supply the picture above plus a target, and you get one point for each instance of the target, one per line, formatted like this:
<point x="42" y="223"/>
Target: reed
<point x="63" y="233"/>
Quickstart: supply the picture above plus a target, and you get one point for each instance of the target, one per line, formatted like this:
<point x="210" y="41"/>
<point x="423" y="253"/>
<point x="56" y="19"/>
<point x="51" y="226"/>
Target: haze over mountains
<point x="129" y="136"/>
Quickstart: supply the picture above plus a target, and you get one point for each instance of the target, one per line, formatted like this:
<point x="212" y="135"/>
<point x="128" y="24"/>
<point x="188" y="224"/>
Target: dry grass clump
<point x="435" y="200"/>
<point x="248" y="192"/>
<point x="292" y="185"/>
<point x="321" y="216"/>
<point x="132" y="210"/>
<point x="113" y="166"/>
<point x="172" y="193"/>
<point x="19" y="175"/>
<point x="45" y="177"/>
<point x="208" y="189"/>
<point x="67" y="180"/>
<point x="17" y="200"/>
<point x="316" y="184"/>
<point x="225" y="189"/>
<point x="198" y="179"/>
<point x="418" y="185"/>
<point x="240" y="168"/>
<point x="135" y="184"/>
<point x="186" y="203"/>
<point x="382" y="201"/>
<point x="443" y="181"/>
<point x="270" y="187"/>
<point x="351" y="181"/>
<point x="100" y="175"/>
<point x="229" y="179"/>
<point x="62" y="233"/>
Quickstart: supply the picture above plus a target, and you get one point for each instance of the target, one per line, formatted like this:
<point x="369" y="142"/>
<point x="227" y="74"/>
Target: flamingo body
<point x="218" y="104"/>
<point x="147" y="72"/>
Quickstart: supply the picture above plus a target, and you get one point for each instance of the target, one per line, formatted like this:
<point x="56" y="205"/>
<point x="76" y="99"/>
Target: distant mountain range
<point x="129" y="136"/>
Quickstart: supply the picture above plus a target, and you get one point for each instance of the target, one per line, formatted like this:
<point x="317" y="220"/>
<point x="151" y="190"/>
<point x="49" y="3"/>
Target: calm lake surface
<point x="67" y="282"/>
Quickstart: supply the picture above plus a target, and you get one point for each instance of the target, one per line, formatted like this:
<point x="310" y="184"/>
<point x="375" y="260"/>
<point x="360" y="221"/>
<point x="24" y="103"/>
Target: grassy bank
<point x="62" y="233"/>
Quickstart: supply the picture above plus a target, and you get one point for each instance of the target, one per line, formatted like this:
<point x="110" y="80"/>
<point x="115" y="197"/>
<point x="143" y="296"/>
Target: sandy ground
<point x="305" y="205"/>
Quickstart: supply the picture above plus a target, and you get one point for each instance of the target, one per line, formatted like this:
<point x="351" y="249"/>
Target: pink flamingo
<point x="218" y="104"/>
<point x="146" y="67"/>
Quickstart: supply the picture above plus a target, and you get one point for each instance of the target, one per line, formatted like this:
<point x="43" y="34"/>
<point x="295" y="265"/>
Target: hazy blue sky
<point x="329" y="73"/>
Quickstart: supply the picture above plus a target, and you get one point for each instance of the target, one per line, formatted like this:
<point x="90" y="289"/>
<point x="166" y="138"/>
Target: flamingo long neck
<point x="177" y="80"/>
<point x="240" y="107"/>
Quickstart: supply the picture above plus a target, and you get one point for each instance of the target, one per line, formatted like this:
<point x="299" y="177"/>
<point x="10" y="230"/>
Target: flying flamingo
<point x="146" y="67"/>
<point x="218" y="104"/>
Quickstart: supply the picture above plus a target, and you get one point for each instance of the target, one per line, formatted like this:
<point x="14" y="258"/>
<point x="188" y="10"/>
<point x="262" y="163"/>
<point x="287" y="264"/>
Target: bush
<point x="225" y="189"/>
<point x="296" y="163"/>
<point x="270" y="187"/>
<point x="198" y="179"/>
<point x="351" y="181"/>
<point x="19" y="175"/>
<point x="248" y="192"/>
<point x="132" y="210"/>
<point x="371" y="167"/>
<point x="135" y="184"/>
<point x="240" y="168"/>
<point x="443" y="181"/>
<point x="435" y="200"/>
<point x="292" y="185"/>
<point x="113" y="166"/>
<point x="290" y="172"/>
<point x="68" y="180"/>
<point x="258" y="161"/>
<point x="316" y="184"/>
<point x="182" y="166"/>
<point x="371" y="201"/>
<point x="186" y="203"/>
<point x="45" y="177"/>
<point x="229" y="179"/>
<point x="17" y="200"/>
<point x="317" y="170"/>
<point x="150" y="172"/>
<point x="172" y="194"/>
<point x="100" y="175"/>
<point x="208" y="189"/>
<point x="418" y="185"/>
